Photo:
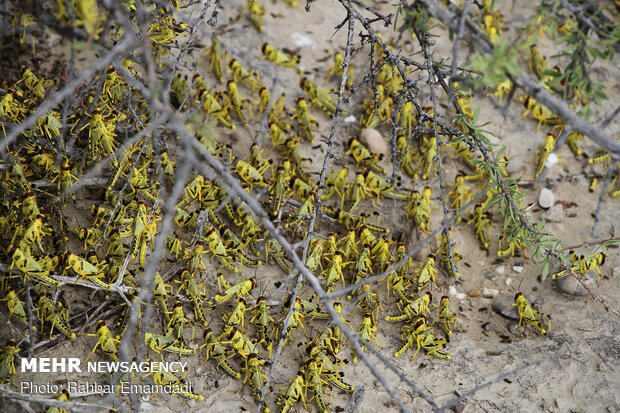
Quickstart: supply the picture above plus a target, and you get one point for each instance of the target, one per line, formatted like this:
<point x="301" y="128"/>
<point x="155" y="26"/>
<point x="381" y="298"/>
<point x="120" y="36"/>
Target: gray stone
<point x="546" y="198"/>
<point x="502" y="307"/>
<point x="490" y="275"/>
<point x="569" y="285"/>
<point x="554" y="214"/>
<point x="616" y="271"/>
<point x="489" y="327"/>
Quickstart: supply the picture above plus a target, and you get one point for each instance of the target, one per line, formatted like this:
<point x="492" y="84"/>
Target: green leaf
<point x="545" y="269"/>
<point x="476" y="114"/>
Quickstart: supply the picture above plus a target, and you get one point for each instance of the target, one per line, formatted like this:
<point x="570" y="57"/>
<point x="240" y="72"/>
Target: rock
<point x="458" y="408"/>
<point x="356" y="399"/>
<point x="374" y="141"/>
<point x="460" y="296"/>
<point x="500" y="269"/>
<point x="518" y="269"/>
<point x="488" y="327"/>
<point x="490" y="275"/>
<point x="301" y="40"/>
<point x="508" y="281"/>
<point x="616" y="271"/>
<point x="191" y="403"/>
<point x="489" y="292"/>
<point x="569" y="285"/>
<point x="474" y="293"/>
<point x="545" y="199"/>
<point x="514" y="167"/>
<point x="552" y="160"/>
<point x="515" y="329"/>
<point x="500" y="306"/>
<point x="452" y="291"/>
<point x="554" y="214"/>
<point x="350" y="119"/>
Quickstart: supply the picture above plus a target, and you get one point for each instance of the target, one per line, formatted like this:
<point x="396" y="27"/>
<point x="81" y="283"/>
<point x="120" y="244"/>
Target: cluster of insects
<point x="208" y="275"/>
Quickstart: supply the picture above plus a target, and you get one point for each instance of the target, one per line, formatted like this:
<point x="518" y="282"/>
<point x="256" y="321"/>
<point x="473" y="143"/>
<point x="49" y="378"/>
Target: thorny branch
<point x="188" y="144"/>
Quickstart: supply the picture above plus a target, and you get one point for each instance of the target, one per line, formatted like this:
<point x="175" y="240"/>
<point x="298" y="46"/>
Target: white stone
<point x="552" y="159"/>
<point x="301" y="40"/>
<point x="374" y="141"/>
<point x="508" y="281"/>
<point x="517" y="269"/>
<point x="616" y="271"/>
<point x="452" y="291"/>
<point x="350" y="119"/>
<point x="546" y="198"/>
<point x="500" y="269"/>
<point x="460" y="296"/>
<point x="489" y="292"/>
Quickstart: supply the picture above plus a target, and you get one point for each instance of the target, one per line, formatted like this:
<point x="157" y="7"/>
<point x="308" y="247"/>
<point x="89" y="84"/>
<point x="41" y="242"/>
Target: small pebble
<point x="517" y="268"/>
<point x="374" y="141"/>
<point x="452" y="291"/>
<point x="144" y="406"/>
<point x="563" y="404"/>
<point x="191" y="403"/>
<point x="488" y="327"/>
<point x="502" y="307"/>
<point x="472" y="303"/>
<point x="350" y="119"/>
<point x="460" y="296"/>
<point x="515" y="329"/>
<point x="554" y="214"/>
<point x="546" y="198"/>
<point x="458" y="408"/>
<point x="552" y="159"/>
<point x="508" y="281"/>
<point x="474" y="293"/>
<point x="302" y="40"/>
<point x="489" y="292"/>
<point x="616" y="271"/>
<point x="490" y="275"/>
<point x="500" y="270"/>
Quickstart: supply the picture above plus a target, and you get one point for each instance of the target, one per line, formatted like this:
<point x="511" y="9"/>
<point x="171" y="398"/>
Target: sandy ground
<point x="583" y="348"/>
